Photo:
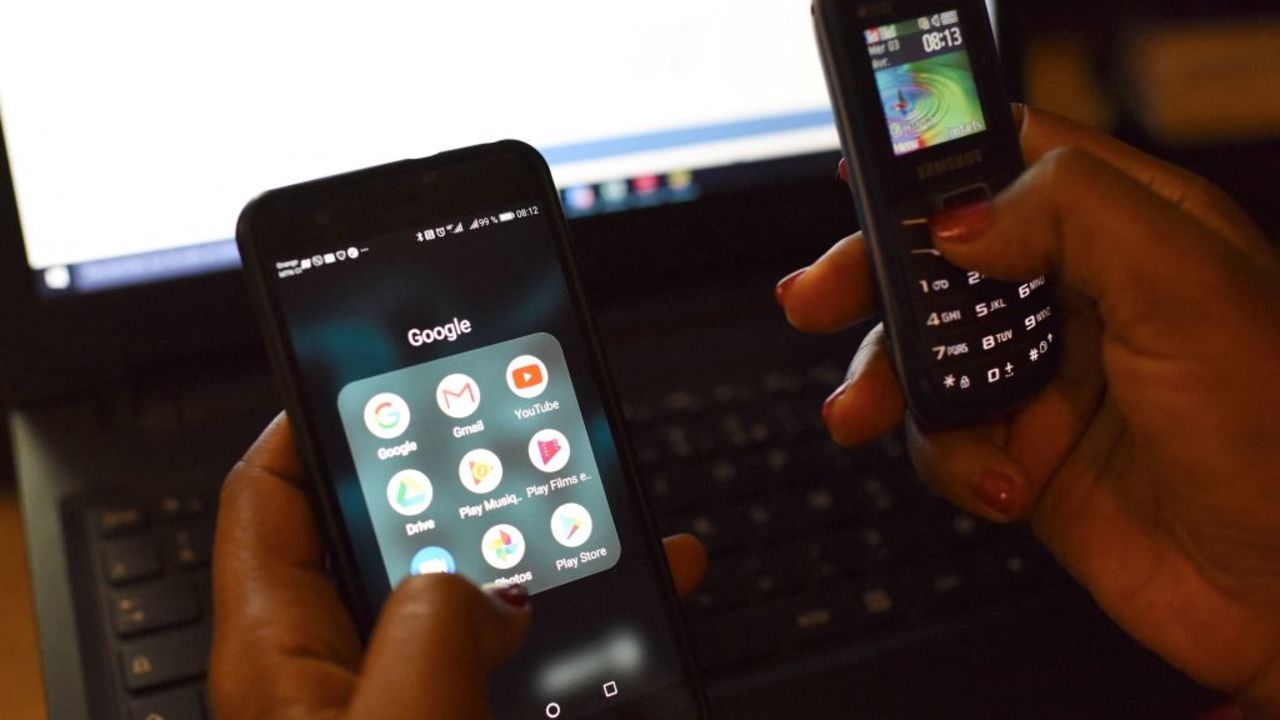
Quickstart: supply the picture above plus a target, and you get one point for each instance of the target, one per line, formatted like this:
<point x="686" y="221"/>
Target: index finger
<point x="1041" y="132"/>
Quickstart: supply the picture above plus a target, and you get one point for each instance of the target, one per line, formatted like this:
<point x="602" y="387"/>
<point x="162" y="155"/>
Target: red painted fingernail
<point x="830" y="403"/>
<point x="517" y="596"/>
<point x="784" y="286"/>
<point x="961" y="224"/>
<point x="1000" y="492"/>
<point x="842" y="172"/>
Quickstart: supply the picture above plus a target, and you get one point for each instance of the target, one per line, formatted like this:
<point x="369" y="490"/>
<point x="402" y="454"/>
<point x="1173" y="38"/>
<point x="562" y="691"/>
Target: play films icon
<point x="549" y="450"/>
<point x="503" y="546"/>
<point x="480" y="471"/>
<point x="386" y="415"/>
<point x="409" y="492"/>
<point x="527" y="376"/>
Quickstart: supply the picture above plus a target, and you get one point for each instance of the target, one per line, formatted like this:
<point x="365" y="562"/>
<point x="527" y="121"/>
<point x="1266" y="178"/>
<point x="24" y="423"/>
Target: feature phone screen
<point x="925" y="81"/>
<point x="460" y="418"/>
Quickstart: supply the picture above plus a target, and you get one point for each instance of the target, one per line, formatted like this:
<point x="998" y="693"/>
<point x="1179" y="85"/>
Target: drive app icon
<point x="527" y="376"/>
<point x="549" y="450"/>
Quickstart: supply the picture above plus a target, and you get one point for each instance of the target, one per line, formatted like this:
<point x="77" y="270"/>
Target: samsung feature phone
<point x="925" y="126"/>
<point x="443" y="381"/>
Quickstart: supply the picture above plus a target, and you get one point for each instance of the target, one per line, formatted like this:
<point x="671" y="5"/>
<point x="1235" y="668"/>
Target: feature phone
<point x="925" y="126"/>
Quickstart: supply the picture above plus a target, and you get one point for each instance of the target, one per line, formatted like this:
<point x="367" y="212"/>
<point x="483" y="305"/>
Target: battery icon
<point x="506" y="217"/>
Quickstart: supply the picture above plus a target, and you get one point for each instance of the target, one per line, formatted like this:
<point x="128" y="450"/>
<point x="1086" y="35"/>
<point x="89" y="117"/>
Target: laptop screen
<point x="137" y="130"/>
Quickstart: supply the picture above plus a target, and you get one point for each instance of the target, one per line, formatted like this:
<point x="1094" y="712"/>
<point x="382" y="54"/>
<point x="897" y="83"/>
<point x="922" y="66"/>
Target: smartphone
<point x="443" y="379"/>
<point x="925" y="125"/>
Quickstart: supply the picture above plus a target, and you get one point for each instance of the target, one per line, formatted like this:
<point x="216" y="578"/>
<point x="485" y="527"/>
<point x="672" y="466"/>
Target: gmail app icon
<point x="458" y="395"/>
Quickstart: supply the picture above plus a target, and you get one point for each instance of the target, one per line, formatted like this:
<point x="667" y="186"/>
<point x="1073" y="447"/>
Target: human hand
<point x="284" y="645"/>
<point x="1151" y="465"/>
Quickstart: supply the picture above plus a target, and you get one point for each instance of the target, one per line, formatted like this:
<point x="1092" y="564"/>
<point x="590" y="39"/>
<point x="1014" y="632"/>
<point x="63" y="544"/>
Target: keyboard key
<point x="173" y="507"/>
<point x="191" y="546"/>
<point x="130" y="559"/>
<point x="155" y="661"/>
<point x="818" y="618"/>
<point x="119" y="520"/>
<point x="153" y="607"/>
<point x="178" y="705"/>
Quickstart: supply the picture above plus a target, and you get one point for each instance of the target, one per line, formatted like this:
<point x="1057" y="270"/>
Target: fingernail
<point x="517" y="596"/>
<point x="961" y="224"/>
<point x="842" y="172"/>
<point x="830" y="403"/>
<point x="1000" y="492"/>
<point x="784" y="286"/>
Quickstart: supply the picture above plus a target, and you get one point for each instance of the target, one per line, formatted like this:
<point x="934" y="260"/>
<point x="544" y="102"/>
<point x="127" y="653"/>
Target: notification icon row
<point x="387" y="415"/>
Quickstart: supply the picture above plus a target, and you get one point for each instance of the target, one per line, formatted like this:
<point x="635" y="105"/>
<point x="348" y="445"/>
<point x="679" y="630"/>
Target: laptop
<point x="696" y="154"/>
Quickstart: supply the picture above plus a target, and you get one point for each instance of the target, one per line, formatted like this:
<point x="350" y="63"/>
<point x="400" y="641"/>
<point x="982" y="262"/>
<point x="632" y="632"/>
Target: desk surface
<point x="21" y="688"/>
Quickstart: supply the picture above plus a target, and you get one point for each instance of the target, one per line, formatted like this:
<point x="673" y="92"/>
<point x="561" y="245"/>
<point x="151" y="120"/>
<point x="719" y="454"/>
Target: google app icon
<point x="386" y="415"/>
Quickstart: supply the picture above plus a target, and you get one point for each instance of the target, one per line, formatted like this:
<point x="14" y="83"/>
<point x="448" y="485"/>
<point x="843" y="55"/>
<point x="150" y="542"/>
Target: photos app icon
<point x="503" y="546"/>
<point x="386" y="415"/>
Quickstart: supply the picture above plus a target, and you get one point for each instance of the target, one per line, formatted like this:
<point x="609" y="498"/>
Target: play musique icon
<point x="503" y="546"/>
<point x="549" y="450"/>
<point x="458" y="395"/>
<point x="386" y="415"/>
<point x="409" y="492"/>
<point x="571" y="524"/>
<point x="527" y="376"/>
<point x="480" y="471"/>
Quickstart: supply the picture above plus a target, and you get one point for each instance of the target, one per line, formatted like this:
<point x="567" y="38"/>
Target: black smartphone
<point x="444" y="382"/>
<point x="925" y="125"/>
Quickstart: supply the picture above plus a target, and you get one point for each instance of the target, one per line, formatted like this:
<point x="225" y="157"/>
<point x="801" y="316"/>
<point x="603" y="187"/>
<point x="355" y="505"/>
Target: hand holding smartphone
<point x="448" y="395"/>
<point x="926" y="127"/>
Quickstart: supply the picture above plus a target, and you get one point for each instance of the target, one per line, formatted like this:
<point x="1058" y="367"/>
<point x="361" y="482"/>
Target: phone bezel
<point x="295" y="220"/>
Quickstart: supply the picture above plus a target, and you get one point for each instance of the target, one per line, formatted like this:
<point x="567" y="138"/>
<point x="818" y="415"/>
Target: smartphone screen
<point x="452" y="395"/>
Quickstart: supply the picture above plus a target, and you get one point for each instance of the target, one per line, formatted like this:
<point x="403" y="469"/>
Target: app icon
<point x="571" y="524"/>
<point x="614" y="191"/>
<point x="580" y="197"/>
<point x="386" y="415"/>
<point x="458" y="395"/>
<point x="548" y="450"/>
<point x="480" y="471"/>
<point x="432" y="559"/>
<point x="503" y="546"/>
<point x="527" y="376"/>
<point x="409" y="492"/>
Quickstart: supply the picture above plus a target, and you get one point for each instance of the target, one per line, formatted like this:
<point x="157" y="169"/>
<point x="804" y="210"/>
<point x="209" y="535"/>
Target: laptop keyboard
<point x="812" y="545"/>
<point x="151" y="604"/>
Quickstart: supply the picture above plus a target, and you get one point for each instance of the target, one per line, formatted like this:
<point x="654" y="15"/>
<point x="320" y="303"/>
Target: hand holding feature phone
<point x="446" y="389"/>
<point x="926" y="127"/>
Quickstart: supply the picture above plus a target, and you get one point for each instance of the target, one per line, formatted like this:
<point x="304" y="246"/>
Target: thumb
<point x="440" y="632"/>
<point x="1102" y="234"/>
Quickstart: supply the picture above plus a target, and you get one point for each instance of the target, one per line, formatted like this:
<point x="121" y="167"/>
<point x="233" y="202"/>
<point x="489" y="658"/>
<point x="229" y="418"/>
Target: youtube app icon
<point x="527" y="376"/>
